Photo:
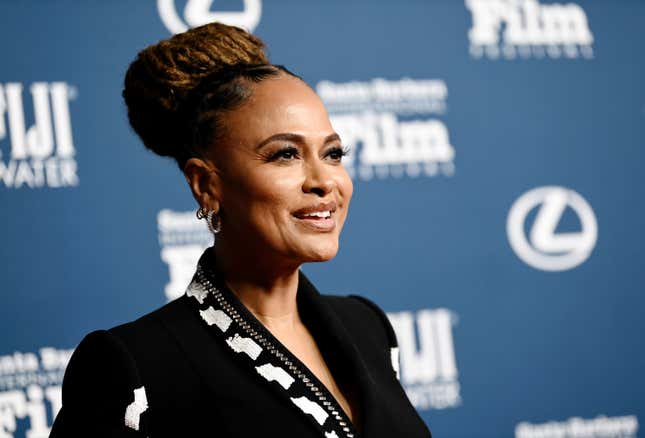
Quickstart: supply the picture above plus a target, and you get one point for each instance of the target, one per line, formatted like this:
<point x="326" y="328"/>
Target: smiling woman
<point x="252" y="348"/>
<point x="277" y="155"/>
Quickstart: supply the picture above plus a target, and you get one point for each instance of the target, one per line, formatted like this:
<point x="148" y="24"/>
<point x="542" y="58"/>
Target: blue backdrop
<point x="497" y="148"/>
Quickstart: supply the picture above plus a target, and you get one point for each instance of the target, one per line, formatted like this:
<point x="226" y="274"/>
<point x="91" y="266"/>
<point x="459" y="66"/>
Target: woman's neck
<point x="266" y="288"/>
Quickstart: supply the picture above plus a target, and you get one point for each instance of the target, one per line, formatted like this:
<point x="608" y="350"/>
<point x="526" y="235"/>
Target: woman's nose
<point x="318" y="178"/>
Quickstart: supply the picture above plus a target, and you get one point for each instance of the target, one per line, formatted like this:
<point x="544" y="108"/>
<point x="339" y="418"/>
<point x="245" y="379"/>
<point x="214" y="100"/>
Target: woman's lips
<point x="317" y="223"/>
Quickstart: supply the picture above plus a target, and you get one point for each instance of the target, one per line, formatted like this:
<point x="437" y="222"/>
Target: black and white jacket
<point x="204" y="366"/>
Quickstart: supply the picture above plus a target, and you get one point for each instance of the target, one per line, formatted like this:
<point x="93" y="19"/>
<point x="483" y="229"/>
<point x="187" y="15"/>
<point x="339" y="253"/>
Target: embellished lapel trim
<point x="228" y="319"/>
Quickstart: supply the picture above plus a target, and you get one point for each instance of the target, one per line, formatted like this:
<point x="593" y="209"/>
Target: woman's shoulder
<point x="362" y="315"/>
<point x="102" y="390"/>
<point x="120" y="352"/>
<point x="104" y="348"/>
<point x="110" y="375"/>
<point x="161" y="337"/>
<point x="150" y="329"/>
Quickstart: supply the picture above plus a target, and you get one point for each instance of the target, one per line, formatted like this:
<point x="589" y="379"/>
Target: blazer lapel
<point x="215" y="312"/>
<point x="341" y="354"/>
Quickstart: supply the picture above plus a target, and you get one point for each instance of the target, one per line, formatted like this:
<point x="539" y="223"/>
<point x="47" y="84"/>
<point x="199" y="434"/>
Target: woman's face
<point x="281" y="187"/>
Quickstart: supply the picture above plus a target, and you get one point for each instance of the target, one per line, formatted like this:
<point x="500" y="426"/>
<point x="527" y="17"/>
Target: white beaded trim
<point x="394" y="357"/>
<point x="244" y="345"/>
<point x="273" y="373"/>
<point x="136" y="408"/>
<point x="199" y="289"/>
<point x="311" y="407"/>
<point x="217" y="317"/>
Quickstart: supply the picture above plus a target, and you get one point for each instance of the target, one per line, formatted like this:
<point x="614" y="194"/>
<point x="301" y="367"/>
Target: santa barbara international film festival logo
<point x="576" y="427"/>
<point x="40" y="155"/>
<point x="428" y="368"/>
<point x="182" y="238"/>
<point x="392" y="127"/>
<point x="30" y="391"/>
<point x="512" y="29"/>
<point x="197" y="12"/>
<point x="544" y="248"/>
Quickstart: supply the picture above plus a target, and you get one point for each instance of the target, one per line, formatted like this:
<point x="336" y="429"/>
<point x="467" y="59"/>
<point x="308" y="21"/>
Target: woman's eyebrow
<point x="296" y="138"/>
<point x="332" y="137"/>
<point x="287" y="136"/>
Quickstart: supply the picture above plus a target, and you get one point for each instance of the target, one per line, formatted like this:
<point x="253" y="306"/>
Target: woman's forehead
<point x="280" y="104"/>
<point x="281" y="93"/>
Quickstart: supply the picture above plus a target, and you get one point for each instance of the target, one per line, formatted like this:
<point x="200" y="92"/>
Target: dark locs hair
<point x="177" y="90"/>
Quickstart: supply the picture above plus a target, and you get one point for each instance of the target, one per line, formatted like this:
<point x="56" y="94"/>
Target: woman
<point x="251" y="349"/>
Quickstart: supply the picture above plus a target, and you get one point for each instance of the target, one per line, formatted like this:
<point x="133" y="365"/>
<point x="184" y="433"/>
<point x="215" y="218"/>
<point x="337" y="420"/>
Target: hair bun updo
<point x="162" y="77"/>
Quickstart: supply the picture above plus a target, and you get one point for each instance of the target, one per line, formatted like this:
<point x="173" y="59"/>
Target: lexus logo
<point x="198" y="12"/>
<point x="543" y="248"/>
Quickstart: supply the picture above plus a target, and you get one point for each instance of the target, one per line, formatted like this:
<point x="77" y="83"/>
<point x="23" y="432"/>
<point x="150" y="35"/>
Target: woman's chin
<point x="320" y="254"/>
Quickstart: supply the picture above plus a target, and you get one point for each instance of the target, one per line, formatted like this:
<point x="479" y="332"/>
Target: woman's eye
<point x="285" y="154"/>
<point x="337" y="153"/>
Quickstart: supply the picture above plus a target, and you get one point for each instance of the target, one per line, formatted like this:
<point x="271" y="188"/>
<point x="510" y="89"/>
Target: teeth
<point x="322" y="214"/>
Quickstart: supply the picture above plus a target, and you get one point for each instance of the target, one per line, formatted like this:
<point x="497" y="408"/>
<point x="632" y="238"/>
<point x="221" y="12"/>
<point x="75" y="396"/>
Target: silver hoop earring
<point x="213" y="221"/>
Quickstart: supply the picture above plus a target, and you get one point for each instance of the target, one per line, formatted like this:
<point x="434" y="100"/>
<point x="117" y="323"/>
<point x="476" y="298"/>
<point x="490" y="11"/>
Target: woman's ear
<point x="203" y="180"/>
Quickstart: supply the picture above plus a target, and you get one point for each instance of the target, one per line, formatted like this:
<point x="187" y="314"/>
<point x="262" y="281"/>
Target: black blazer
<point x="204" y="366"/>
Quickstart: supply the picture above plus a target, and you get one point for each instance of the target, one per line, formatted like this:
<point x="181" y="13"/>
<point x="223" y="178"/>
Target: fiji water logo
<point x="42" y="154"/>
<point x="428" y="368"/>
<point x="198" y="12"/>
<point x="30" y="391"/>
<point x="182" y="238"/>
<point x="528" y="29"/>
<point x="393" y="128"/>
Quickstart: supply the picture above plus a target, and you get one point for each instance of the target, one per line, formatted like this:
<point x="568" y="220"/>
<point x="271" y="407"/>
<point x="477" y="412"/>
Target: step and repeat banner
<point x="497" y="149"/>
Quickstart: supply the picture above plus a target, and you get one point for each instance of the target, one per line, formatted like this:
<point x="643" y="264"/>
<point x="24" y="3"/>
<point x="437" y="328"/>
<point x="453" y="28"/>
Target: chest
<point x="223" y="388"/>
<point x="302" y="345"/>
